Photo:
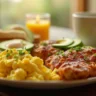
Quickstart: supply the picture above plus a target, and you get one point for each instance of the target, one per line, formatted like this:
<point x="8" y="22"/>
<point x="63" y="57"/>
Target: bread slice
<point x="12" y="34"/>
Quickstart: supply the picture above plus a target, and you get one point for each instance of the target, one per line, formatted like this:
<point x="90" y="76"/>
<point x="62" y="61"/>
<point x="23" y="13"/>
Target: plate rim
<point x="47" y="84"/>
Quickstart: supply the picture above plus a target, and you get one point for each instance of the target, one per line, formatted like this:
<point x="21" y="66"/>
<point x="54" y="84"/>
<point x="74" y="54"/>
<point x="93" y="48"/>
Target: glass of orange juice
<point x="39" y="24"/>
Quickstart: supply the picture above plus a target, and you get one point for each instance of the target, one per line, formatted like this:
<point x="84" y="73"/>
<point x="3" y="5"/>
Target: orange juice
<point x="39" y="26"/>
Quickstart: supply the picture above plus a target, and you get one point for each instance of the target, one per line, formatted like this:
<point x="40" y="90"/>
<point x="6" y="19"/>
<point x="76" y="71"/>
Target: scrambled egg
<point x="20" y="65"/>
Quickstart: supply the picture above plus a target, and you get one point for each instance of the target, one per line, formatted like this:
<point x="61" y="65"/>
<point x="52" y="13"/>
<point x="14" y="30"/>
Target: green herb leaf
<point x="8" y="54"/>
<point x="70" y="50"/>
<point x="16" y="57"/>
<point x="63" y="55"/>
<point x="21" y="52"/>
<point x="77" y="48"/>
<point x="11" y="51"/>
<point x="60" y="52"/>
<point x="44" y="44"/>
<point x="29" y="52"/>
<point x="95" y="54"/>
<point x="49" y="54"/>
<point x="85" y="58"/>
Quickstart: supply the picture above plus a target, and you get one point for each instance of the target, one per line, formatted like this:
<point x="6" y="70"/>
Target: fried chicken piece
<point x="74" y="64"/>
<point x="44" y="50"/>
<point x="71" y="64"/>
<point x="74" y="71"/>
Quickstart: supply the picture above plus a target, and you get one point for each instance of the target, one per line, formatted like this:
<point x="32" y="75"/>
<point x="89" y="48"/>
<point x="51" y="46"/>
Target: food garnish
<point x="67" y="43"/>
<point x="63" y="43"/>
<point x="16" y="43"/>
<point x="44" y="44"/>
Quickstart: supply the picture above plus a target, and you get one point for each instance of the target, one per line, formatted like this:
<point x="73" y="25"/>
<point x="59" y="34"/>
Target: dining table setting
<point x="39" y="59"/>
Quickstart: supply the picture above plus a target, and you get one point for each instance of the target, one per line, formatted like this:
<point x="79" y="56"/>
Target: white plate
<point x="47" y="84"/>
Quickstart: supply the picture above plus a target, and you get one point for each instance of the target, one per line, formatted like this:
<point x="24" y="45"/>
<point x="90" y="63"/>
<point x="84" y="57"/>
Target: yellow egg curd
<point x="20" y="65"/>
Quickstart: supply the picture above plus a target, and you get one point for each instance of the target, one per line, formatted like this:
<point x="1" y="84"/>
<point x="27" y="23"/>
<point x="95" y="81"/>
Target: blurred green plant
<point x="12" y="12"/>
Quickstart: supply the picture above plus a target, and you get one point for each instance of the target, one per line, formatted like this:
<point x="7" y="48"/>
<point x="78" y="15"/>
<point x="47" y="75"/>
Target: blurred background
<point x="14" y="11"/>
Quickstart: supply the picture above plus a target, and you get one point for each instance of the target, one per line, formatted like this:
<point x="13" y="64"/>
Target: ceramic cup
<point x="84" y="25"/>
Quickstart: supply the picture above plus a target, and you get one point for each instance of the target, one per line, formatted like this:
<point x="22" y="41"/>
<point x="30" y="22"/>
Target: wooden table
<point x="88" y="90"/>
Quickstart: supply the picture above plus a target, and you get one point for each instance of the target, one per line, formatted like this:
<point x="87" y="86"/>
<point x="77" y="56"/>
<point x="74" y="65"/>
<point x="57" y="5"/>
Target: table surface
<point x="88" y="90"/>
<point x="59" y="32"/>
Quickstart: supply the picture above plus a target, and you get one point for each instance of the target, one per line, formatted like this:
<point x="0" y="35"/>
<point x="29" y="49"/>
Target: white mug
<point x="84" y="25"/>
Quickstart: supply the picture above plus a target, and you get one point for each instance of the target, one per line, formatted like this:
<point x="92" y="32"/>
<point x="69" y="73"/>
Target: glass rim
<point x="84" y="15"/>
<point x="42" y="15"/>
